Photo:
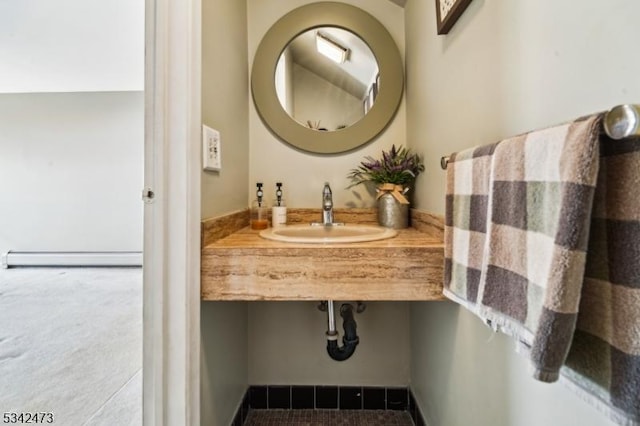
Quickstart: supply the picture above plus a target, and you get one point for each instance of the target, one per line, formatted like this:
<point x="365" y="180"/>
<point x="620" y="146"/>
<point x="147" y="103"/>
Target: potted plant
<point x="394" y="174"/>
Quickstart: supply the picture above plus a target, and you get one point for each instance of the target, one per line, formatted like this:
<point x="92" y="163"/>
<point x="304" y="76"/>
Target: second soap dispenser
<point x="279" y="210"/>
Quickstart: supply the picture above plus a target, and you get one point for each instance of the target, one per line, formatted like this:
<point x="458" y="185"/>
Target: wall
<point x="286" y="339"/>
<point x="317" y="100"/>
<point x="462" y="373"/>
<point x="287" y="345"/>
<point x="505" y="68"/>
<point x="71" y="171"/>
<point x="225" y="91"/>
<point x="223" y="361"/>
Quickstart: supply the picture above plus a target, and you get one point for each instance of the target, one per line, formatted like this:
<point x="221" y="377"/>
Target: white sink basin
<point x="328" y="234"/>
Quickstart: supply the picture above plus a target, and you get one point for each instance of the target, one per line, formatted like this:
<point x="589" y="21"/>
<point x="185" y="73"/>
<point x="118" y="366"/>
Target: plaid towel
<point x="604" y="359"/>
<point x="517" y="225"/>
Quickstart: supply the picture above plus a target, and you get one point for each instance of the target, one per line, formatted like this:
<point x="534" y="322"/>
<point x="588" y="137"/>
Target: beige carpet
<point x="71" y="344"/>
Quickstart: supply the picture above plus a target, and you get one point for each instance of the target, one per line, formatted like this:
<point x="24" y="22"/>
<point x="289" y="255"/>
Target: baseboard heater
<point x="71" y="258"/>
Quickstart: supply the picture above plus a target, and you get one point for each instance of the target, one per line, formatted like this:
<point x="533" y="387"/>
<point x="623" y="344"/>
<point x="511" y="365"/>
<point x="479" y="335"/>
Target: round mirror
<point x="327" y="79"/>
<point x="270" y="81"/>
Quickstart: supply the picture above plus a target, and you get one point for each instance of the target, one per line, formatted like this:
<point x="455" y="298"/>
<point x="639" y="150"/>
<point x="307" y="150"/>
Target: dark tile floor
<point x="328" y="418"/>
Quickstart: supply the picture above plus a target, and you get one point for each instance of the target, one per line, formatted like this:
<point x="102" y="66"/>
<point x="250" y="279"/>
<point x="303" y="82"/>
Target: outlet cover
<point x="211" y="153"/>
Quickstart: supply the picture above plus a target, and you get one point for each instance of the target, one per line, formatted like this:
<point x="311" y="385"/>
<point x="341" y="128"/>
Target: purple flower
<point x="398" y="166"/>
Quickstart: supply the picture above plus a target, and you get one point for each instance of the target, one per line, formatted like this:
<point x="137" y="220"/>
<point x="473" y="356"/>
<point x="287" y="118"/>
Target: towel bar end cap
<point x="622" y="121"/>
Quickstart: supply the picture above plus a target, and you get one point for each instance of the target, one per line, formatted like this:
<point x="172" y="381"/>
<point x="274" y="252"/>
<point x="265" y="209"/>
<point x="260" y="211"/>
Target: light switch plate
<point x="211" y="153"/>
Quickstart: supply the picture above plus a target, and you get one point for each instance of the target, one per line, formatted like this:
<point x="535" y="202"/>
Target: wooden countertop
<point x="244" y="266"/>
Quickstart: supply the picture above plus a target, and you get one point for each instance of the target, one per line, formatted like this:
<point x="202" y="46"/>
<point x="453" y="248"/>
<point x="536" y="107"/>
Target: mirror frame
<point x="312" y="16"/>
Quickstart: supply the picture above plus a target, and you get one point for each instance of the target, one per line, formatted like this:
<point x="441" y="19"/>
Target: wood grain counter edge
<point x="239" y="265"/>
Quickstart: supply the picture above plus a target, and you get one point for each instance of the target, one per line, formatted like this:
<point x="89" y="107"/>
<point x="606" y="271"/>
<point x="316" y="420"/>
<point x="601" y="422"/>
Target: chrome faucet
<point x="327" y="205"/>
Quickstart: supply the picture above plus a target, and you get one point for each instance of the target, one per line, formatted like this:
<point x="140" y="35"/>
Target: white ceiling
<point x="71" y="45"/>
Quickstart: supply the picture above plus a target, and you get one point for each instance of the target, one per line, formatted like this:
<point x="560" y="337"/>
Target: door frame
<point x="171" y="254"/>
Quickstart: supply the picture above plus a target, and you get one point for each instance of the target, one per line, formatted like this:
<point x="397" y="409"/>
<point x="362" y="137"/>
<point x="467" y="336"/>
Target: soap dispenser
<point x="259" y="218"/>
<point x="279" y="210"/>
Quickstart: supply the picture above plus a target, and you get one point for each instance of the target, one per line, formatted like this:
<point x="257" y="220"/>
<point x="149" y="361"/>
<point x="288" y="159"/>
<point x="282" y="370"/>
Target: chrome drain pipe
<point x="332" y="334"/>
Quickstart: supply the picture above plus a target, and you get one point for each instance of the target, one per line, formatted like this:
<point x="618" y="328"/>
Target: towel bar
<point x="620" y="122"/>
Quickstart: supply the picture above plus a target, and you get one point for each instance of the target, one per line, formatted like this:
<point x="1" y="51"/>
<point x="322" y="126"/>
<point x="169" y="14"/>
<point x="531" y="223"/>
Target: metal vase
<point x="392" y="213"/>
